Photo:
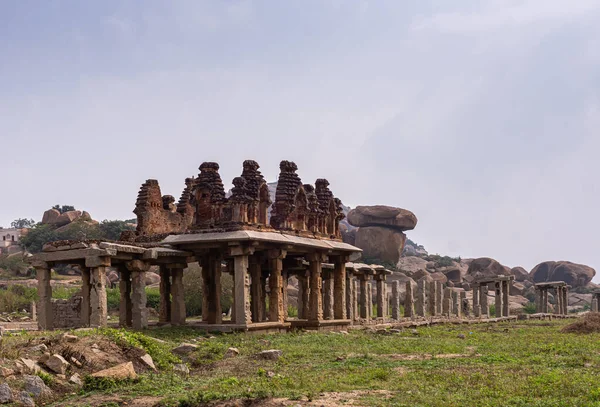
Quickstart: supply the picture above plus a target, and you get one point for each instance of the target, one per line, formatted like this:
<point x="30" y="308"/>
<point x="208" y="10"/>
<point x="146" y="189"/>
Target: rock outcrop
<point x="380" y="231"/>
<point x="486" y="267"/>
<point x="576" y="275"/>
<point x="520" y="274"/>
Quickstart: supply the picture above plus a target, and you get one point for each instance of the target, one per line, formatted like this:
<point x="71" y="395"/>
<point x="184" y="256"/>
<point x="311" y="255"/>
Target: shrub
<point x="153" y="298"/>
<point x="529" y="308"/>
<point x="589" y="323"/>
<point x="17" y="297"/>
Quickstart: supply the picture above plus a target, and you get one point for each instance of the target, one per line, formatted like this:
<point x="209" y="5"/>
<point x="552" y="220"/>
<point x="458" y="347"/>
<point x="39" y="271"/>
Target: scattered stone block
<point x="147" y="360"/>
<point x="5" y="394"/>
<point x="70" y="338"/>
<point x="57" y="364"/>
<point x="26" y="400"/>
<point x="119" y="372"/>
<point x="231" y="353"/>
<point x="35" y="385"/>
<point x="31" y="366"/>
<point x="76" y="379"/>
<point x="185" y="349"/>
<point x="76" y="362"/>
<point x="39" y="348"/>
<point x="271" y="354"/>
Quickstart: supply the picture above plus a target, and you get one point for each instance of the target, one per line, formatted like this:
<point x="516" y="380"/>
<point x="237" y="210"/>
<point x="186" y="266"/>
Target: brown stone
<point x="575" y="275"/>
<point x="380" y="215"/>
<point x="119" y="372"/>
<point x="380" y="243"/>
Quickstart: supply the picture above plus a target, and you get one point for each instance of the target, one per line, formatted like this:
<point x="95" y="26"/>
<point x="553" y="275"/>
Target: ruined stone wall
<point x="67" y="313"/>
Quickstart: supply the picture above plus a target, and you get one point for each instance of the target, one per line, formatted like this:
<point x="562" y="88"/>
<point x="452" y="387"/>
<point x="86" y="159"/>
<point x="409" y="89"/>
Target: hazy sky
<point x="481" y="117"/>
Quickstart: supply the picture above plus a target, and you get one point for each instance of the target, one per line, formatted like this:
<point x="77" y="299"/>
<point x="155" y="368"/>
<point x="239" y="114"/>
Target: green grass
<point x="525" y="363"/>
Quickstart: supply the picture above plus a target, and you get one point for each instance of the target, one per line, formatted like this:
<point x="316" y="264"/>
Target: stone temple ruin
<point x="236" y="234"/>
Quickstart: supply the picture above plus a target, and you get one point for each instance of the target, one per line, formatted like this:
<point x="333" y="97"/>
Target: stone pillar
<point x="498" y="298"/>
<point x="256" y="294"/>
<point x="396" y="300"/>
<point x="456" y="304"/>
<point x="364" y="298"/>
<point x="538" y="300"/>
<point x="305" y="283"/>
<point x="545" y="300"/>
<point x="125" y="315"/>
<point x="565" y="296"/>
<point x="433" y="287"/>
<point x="505" y="297"/>
<point x="139" y="311"/>
<point x="483" y="300"/>
<point x="211" y="286"/>
<point x="339" y="288"/>
<point x="355" y="299"/>
<point x="557" y="301"/>
<point x="447" y="304"/>
<point x="594" y="307"/>
<point x="45" y="317"/>
<point x="85" y="296"/>
<point x="476" y="306"/>
<point x="276" y="312"/>
<point x="349" y="297"/>
<point x="241" y="288"/>
<point x="464" y="304"/>
<point x="409" y="302"/>
<point x="98" y="311"/>
<point x="438" y="299"/>
<point x="369" y="301"/>
<point x="381" y="297"/>
<point x="316" y="285"/>
<point x="178" y="312"/>
<point x="420" y="301"/>
<point x="164" y="309"/>
<point x="284" y="291"/>
<point x="328" y="297"/>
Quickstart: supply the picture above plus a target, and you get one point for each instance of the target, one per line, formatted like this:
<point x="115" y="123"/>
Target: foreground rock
<point x="185" y="349"/>
<point x="5" y="394"/>
<point x="119" y="372"/>
<point x="576" y="275"/>
<point x="271" y="354"/>
<point x="57" y="364"/>
<point x="35" y="385"/>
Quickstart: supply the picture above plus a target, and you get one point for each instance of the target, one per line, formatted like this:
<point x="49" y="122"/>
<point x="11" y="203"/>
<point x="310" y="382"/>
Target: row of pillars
<point x="501" y="299"/>
<point x="561" y="301"/>
<point x="433" y="299"/>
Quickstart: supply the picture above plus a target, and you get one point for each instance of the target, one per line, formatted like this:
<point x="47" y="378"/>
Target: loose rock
<point x="231" y="353"/>
<point x="119" y="372"/>
<point x="39" y="348"/>
<point x="57" y="364"/>
<point x="75" y="379"/>
<point x="147" y="360"/>
<point x="182" y="369"/>
<point x="5" y="371"/>
<point x="36" y="386"/>
<point x="185" y="349"/>
<point x="5" y="394"/>
<point x="271" y="354"/>
<point x="26" y="400"/>
<point x="31" y="366"/>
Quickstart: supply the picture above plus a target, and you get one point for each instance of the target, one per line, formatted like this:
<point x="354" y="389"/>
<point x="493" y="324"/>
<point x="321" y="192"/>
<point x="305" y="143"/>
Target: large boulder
<point x="411" y="264"/>
<point x="50" y="216"/>
<point x="576" y="275"/>
<point x="380" y="243"/>
<point x="151" y="278"/>
<point x="380" y="215"/>
<point x="520" y="273"/>
<point x="486" y="267"/>
<point x="67" y="217"/>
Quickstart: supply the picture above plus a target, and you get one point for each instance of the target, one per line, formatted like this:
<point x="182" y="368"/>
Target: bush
<point x="529" y="308"/>
<point x="153" y="298"/>
<point x="192" y="283"/>
<point x="14" y="264"/>
<point x="16" y="298"/>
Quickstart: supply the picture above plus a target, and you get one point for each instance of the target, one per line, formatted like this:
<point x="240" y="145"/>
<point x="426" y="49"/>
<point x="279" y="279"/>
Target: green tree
<point x="22" y="223"/>
<point x="64" y="208"/>
<point x="111" y="229"/>
<point x="37" y="237"/>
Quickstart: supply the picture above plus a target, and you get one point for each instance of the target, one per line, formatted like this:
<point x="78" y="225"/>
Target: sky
<point x="481" y="117"/>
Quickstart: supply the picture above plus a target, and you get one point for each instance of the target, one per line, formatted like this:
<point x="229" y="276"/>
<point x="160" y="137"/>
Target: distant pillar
<point x="164" y="309"/>
<point x="364" y="299"/>
<point x="538" y="300"/>
<point x="178" y="311"/>
<point x="328" y="297"/>
<point x="505" y="298"/>
<point x="420" y="300"/>
<point x="355" y="299"/>
<point x="257" y="296"/>
<point x="85" y="297"/>
<point x="483" y="300"/>
<point x="594" y="306"/>
<point x="349" y="297"/>
<point x="45" y="317"/>
<point x="211" y="282"/>
<point x="396" y="300"/>
<point x="558" y="301"/>
<point x="545" y="301"/>
<point x="241" y="287"/>
<point x="339" y="288"/>
<point x="125" y="307"/>
<point x="305" y="281"/>
<point x="447" y="305"/>
<point x="316" y="285"/>
<point x="381" y="296"/>
<point x="456" y="304"/>
<point x="476" y="306"/>
<point x="369" y="301"/>
<point x="498" y="298"/>
<point x="284" y="289"/>
<point x="98" y="311"/>
<point x="409" y="303"/>
<point x="276" y="312"/>
<point x="139" y="311"/>
<point x="565" y="294"/>
<point x="433" y="287"/>
<point x="464" y="304"/>
<point x="439" y="297"/>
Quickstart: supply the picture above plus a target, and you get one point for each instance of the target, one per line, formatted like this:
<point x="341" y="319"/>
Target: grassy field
<point x="508" y="364"/>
